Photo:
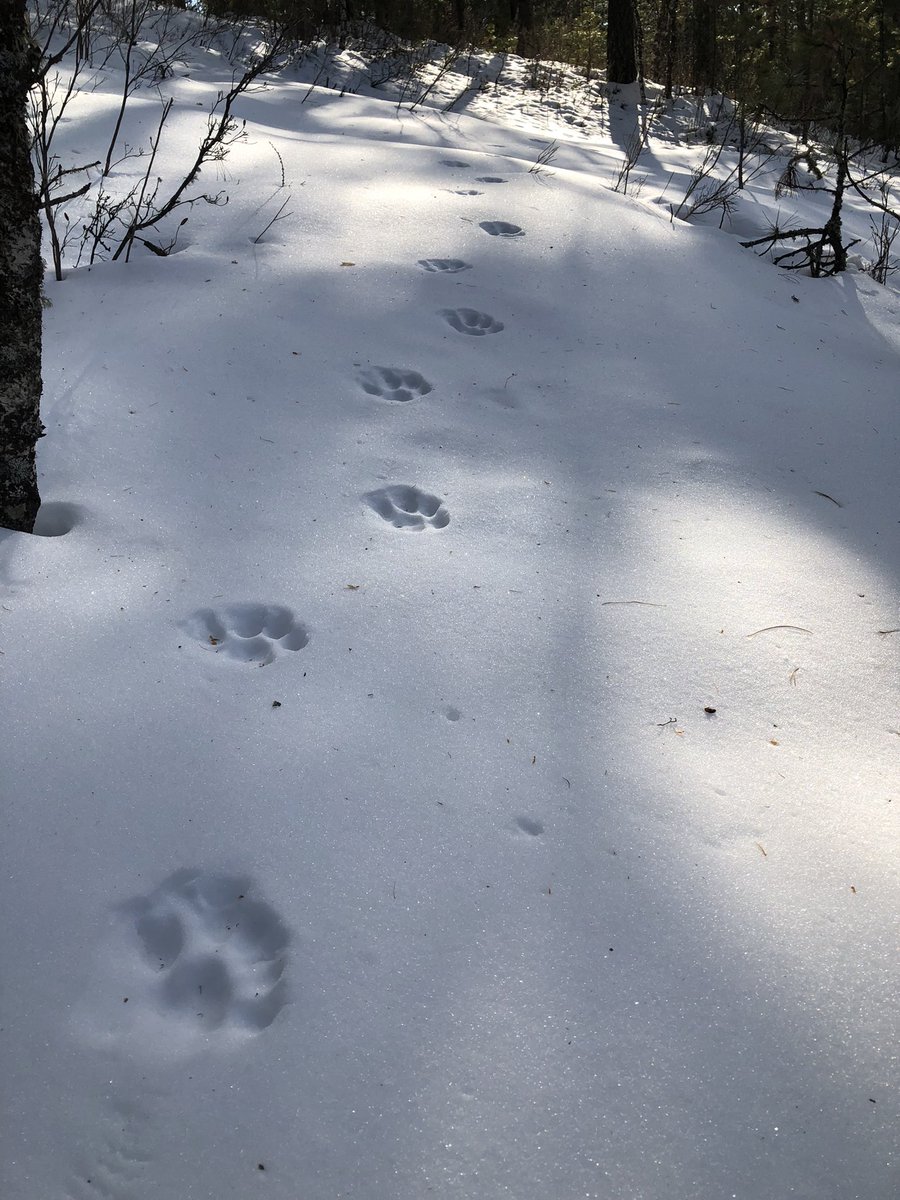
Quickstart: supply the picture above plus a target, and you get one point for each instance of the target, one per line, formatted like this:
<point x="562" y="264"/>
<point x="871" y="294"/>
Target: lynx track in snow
<point x="405" y="507"/>
<point x="194" y="964"/>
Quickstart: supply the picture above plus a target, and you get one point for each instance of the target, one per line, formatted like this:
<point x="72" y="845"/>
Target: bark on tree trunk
<point x="833" y="233"/>
<point x="21" y="276"/>
<point x="621" y="61"/>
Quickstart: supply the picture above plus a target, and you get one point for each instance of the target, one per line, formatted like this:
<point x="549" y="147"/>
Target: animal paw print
<point x="114" y="1164"/>
<point x="405" y="507"/>
<point x="445" y="266"/>
<point x="501" y="229"/>
<point x="250" y="633"/>
<point x="529" y="826"/>
<point x="194" y="964"/>
<point x="470" y="320"/>
<point x="393" y="383"/>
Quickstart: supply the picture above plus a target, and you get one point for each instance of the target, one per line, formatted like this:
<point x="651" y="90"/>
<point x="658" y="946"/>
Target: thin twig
<point x="281" y="215"/>
<point x="644" y="603"/>
<point x="769" y="628"/>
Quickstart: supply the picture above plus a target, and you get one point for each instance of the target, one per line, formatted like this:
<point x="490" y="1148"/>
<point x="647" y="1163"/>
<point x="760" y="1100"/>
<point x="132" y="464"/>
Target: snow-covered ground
<point x="453" y="749"/>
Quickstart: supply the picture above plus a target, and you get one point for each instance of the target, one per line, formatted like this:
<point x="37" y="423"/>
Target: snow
<point x="368" y="832"/>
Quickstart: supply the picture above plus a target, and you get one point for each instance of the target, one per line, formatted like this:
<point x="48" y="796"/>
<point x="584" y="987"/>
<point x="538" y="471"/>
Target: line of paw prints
<point x="401" y="384"/>
<point x="260" y="633"/>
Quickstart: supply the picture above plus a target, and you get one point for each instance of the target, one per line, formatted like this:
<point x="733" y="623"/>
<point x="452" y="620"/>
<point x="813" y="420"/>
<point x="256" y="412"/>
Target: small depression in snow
<point x="529" y="826"/>
<point x="56" y="518"/>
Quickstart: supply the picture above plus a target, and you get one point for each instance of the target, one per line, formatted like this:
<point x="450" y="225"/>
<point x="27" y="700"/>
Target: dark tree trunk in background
<point x="621" y="60"/>
<point x="666" y="44"/>
<point x="704" y="65"/>
<point x="21" y="276"/>
<point x="524" y="18"/>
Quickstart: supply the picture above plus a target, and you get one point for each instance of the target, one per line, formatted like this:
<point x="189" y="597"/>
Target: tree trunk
<point x="621" y="61"/>
<point x="833" y="233"/>
<point x="665" y="45"/>
<point x="704" y="67"/>
<point x="21" y="276"/>
<point x="524" y="18"/>
<point x="459" y="16"/>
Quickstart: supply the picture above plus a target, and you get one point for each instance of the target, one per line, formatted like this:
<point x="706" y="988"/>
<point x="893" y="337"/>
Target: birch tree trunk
<point x="21" y="276"/>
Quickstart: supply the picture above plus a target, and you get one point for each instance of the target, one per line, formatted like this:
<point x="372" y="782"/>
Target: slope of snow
<point x="367" y="831"/>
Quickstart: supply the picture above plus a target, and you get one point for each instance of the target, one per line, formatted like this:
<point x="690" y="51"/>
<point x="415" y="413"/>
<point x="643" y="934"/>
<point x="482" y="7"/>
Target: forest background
<point x="816" y="64"/>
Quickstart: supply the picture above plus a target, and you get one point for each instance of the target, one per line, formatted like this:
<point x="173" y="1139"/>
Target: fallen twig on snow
<point x="769" y="628"/>
<point x="645" y="603"/>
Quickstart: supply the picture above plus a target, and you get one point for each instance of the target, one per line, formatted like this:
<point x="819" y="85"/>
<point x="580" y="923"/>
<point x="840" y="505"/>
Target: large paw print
<point x="250" y="633"/>
<point x="195" y="963"/>
<point x="444" y="266"/>
<point x="405" y="507"/>
<point x="502" y="229"/>
<point x="470" y="320"/>
<point x="393" y="383"/>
